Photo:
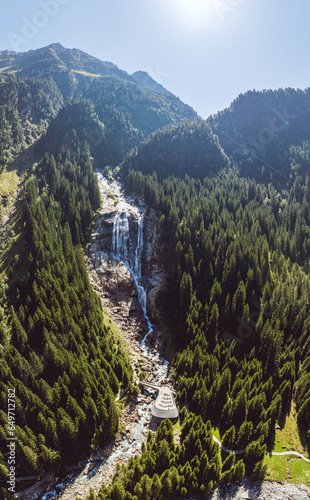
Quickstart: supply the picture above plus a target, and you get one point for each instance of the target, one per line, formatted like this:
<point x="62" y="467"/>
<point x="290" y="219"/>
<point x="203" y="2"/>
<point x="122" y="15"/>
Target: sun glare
<point x="196" y="6"/>
<point x="195" y="13"/>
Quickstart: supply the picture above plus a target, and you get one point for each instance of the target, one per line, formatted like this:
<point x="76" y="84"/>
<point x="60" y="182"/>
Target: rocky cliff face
<point x="124" y="233"/>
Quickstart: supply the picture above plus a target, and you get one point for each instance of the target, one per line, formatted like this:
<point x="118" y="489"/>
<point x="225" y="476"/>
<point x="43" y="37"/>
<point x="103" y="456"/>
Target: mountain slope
<point x="259" y="128"/>
<point x="265" y="134"/>
<point x="56" y="349"/>
<point x="147" y="81"/>
<point x="236" y="254"/>
<point x="62" y="102"/>
<point x="187" y="148"/>
<point x="27" y="106"/>
<point x="128" y="110"/>
<point x="54" y="57"/>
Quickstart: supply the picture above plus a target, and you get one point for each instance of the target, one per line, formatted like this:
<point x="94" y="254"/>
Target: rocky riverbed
<point x="267" y="490"/>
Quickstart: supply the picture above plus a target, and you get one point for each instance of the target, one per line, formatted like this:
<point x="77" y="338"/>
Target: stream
<point x="116" y="273"/>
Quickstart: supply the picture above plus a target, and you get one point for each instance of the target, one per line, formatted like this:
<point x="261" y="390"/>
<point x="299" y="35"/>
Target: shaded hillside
<point x="27" y="106"/>
<point x="108" y="131"/>
<point x="75" y="125"/>
<point x="130" y="113"/>
<point x="260" y="127"/>
<point x="188" y="148"/>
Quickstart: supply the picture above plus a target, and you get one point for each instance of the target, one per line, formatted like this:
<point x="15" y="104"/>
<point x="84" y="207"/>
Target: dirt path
<point x="288" y="453"/>
<point x="239" y="452"/>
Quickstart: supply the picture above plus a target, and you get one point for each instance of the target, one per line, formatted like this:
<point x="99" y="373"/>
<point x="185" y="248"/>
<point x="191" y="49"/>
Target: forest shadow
<point x="303" y="431"/>
<point x="154" y="423"/>
<point x="14" y="262"/>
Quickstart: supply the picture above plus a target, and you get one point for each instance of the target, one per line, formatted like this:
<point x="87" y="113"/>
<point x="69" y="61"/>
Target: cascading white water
<point x="139" y="246"/>
<point x="120" y="234"/>
<point x="125" y="248"/>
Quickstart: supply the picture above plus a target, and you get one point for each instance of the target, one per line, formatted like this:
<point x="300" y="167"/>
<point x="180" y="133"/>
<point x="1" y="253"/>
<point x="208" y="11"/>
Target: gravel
<point x="267" y="490"/>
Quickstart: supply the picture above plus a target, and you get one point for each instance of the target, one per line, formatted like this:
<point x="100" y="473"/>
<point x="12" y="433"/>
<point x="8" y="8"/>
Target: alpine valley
<point x="142" y="244"/>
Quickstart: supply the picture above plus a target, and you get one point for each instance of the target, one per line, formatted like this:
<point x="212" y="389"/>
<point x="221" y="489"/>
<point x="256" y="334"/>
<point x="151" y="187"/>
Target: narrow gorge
<point x="125" y="271"/>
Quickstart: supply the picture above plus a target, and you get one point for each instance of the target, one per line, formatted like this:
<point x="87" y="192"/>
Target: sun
<point x="196" y="6"/>
<point x="194" y="13"/>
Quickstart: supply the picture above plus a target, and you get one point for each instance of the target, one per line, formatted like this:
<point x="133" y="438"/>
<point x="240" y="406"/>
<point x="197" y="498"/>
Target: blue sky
<point x="206" y="52"/>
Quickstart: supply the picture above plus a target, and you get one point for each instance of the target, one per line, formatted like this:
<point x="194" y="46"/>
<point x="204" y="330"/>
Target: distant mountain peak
<point x="76" y="60"/>
<point x="56" y="46"/>
<point x="70" y="68"/>
<point x="144" y="79"/>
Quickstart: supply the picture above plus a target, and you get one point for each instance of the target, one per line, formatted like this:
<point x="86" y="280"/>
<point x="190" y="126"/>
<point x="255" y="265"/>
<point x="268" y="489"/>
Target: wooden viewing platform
<point x="164" y="406"/>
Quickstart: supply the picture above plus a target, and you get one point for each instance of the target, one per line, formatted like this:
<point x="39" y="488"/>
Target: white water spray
<point x="128" y="249"/>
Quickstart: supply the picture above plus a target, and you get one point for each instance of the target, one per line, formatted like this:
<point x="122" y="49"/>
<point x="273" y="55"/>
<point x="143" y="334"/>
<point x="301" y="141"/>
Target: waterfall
<point x="120" y="235"/>
<point x="139" y="246"/>
<point x="129" y="249"/>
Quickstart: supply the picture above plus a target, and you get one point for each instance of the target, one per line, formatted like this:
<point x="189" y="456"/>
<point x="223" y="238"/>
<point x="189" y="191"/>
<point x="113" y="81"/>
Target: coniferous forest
<point x="57" y="351"/>
<point x="232" y="196"/>
<point x="238" y="306"/>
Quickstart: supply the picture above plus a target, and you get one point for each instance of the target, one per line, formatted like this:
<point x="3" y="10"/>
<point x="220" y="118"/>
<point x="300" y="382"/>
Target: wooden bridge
<point x="164" y="406"/>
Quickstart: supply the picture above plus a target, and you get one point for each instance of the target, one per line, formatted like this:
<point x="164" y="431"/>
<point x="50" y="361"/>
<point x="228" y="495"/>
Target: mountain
<point x="129" y="110"/>
<point x="72" y="112"/>
<point x="266" y="135"/>
<point x="55" y="57"/>
<point x="147" y="81"/>
<point x="235" y="245"/>
<point x="259" y="129"/>
<point x="187" y="148"/>
<point x="231" y="195"/>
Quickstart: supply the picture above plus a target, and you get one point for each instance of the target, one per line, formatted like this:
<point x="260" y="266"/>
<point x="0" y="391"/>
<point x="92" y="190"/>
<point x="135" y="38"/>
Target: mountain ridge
<point x="72" y="60"/>
<point x="129" y="109"/>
